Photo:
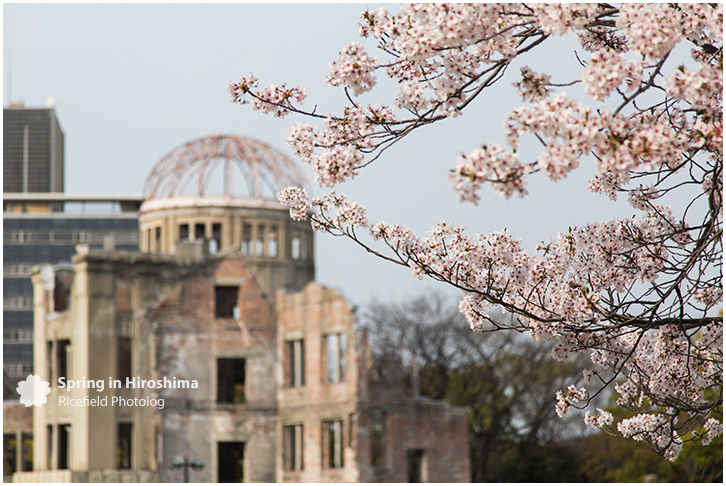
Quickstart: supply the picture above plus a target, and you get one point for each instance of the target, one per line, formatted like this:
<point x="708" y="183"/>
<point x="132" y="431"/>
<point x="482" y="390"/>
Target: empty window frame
<point x="378" y="438"/>
<point x="231" y="380"/>
<point x="294" y="363"/>
<point x="246" y="246"/>
<point x="296" y="246"/>
<point x="123" y="446"/>
<point x="199" y="233"/>
<point x="61" y="295"/>
<point x="260" y="241"/>
<point x="18" y="456"/>
<point x="272" y="242"/>
<point x="123" y="358"/>
<point x="225" y="300"/>
<point x="64" y="445"/>
<point x="157" y="239"/>
<point x="49" y="449"/>
<point x="416" y="466"/>
<point x="184" y="233"/>
<point x="27" y="451"/>
<point x="292" y="454"/>
<point x="10" y="449"/>
<point x="215" y="244"/>
<point x="230" y="462"/>
<point x="332" y="444"/>
<point x="63" y="358"/>
<point x="334" y="357"/>
<point x="51" y="358"/>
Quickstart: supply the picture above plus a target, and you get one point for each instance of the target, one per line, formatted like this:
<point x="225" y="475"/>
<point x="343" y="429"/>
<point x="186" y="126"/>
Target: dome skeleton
<point x="262" y="167"/>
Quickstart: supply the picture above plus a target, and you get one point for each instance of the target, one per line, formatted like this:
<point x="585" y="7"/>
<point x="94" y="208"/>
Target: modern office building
<point x="42" y="224"/>
<point x="32" y="150"/>
<point x="45" y="228"/>
<point x="251" y="370"/>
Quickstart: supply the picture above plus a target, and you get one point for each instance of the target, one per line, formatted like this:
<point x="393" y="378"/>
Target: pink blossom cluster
<point x="702" y="90"/>
<point x="600" y="37"/>
<point x="569" y="398"/>
<point x="354" y="69"/>
<point x="336" y="164"/>
<point x="297" y="200"/>
<point x="563" y="18"/>
<point x="713" y="429"/>
<point x="411" y="97"/>
<point x="441" y="48"/>
<point x="599" y="420"/>
<point x="567" y="127"/>
<point x="533" y="86"/>
<point x="655" y="429"/>
<point x="638" y="295"/>
<point x="275" y="99"/>
<point x="488" y="164"/>
<point x="653" y="29"/>
<point x="606" y="71"/>
<point x="301" y="138"/>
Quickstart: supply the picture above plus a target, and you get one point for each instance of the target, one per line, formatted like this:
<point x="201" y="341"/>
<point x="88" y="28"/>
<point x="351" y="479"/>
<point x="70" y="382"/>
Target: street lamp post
<point x="186" y="464"/>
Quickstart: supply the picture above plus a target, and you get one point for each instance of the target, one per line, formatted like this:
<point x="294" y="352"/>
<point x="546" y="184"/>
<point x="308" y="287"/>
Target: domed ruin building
<point x="212" y="355"/>
<point x="220" y="191"/>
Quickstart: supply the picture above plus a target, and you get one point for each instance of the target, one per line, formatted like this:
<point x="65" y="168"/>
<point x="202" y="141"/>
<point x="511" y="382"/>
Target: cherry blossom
<point x="533" y="86"/>
<point x="640" y="294"/>
<point x="354" y="70"/>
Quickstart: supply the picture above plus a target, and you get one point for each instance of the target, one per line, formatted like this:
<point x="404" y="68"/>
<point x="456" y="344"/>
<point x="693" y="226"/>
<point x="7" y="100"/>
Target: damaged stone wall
<point x="190" y="340"/>
<point x="424" y="440"/>
<point x="310" y="316"/>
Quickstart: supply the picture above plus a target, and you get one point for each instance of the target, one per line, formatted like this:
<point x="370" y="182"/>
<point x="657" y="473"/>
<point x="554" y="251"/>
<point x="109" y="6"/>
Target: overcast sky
<point x="133" y="81"/>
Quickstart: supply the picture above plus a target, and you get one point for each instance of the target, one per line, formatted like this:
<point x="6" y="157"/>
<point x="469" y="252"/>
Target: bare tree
<point x="506" y="382"/>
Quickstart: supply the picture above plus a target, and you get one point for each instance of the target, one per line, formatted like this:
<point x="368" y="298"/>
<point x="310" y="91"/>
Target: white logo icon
<point x="33" y="391"/>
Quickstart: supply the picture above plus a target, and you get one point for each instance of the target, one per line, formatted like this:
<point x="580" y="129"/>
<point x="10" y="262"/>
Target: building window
<point x="351" y="428"/>
<point x="10" y="452"/>
<point x="64" y="445"/>
<point x="335" y="357"/>
<point x="157" y="239"/>
<point x="18" y="336"/>
<point x="27" y="459"/>
<point x="378" y="438"/>
<point x="294" y="363"/>
<point x="293" y="447"/>
<point x="260" y="242"/>
<point x="49" y="443"/>
<point x="272" y="242"/>
<point x="184" y="233"/>
<point x="231" y="380"/>
<point x="215" y="244"/>
<point x="230" y="462"/>
<point x="225" y="301"/>
<point x="123" y="446"/>
<point x="199" y="232"/>
<point x="123" y="358"/>
<point x="416" y="466"/>
<point x="246" y="239"/>
<point x="296" y="244"/>
<point x="64" y="349"/>
<point x="61" y="295"/>
<point x="332" y="444"/>
<point x="49" y="362"/>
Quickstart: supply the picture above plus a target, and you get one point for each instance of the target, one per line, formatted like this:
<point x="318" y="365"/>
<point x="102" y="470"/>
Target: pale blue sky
<point x="133" y="81"/>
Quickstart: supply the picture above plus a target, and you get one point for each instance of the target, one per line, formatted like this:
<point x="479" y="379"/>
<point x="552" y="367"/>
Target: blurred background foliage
<point x="507" y="383"/>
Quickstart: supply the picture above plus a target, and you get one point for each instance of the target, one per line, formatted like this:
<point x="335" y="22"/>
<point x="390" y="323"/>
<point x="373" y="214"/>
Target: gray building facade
<point x="32" y="150"/>
<point x="45" y="228"/>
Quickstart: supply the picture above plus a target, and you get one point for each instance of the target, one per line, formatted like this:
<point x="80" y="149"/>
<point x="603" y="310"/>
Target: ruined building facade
<point x="264" y="374"/>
